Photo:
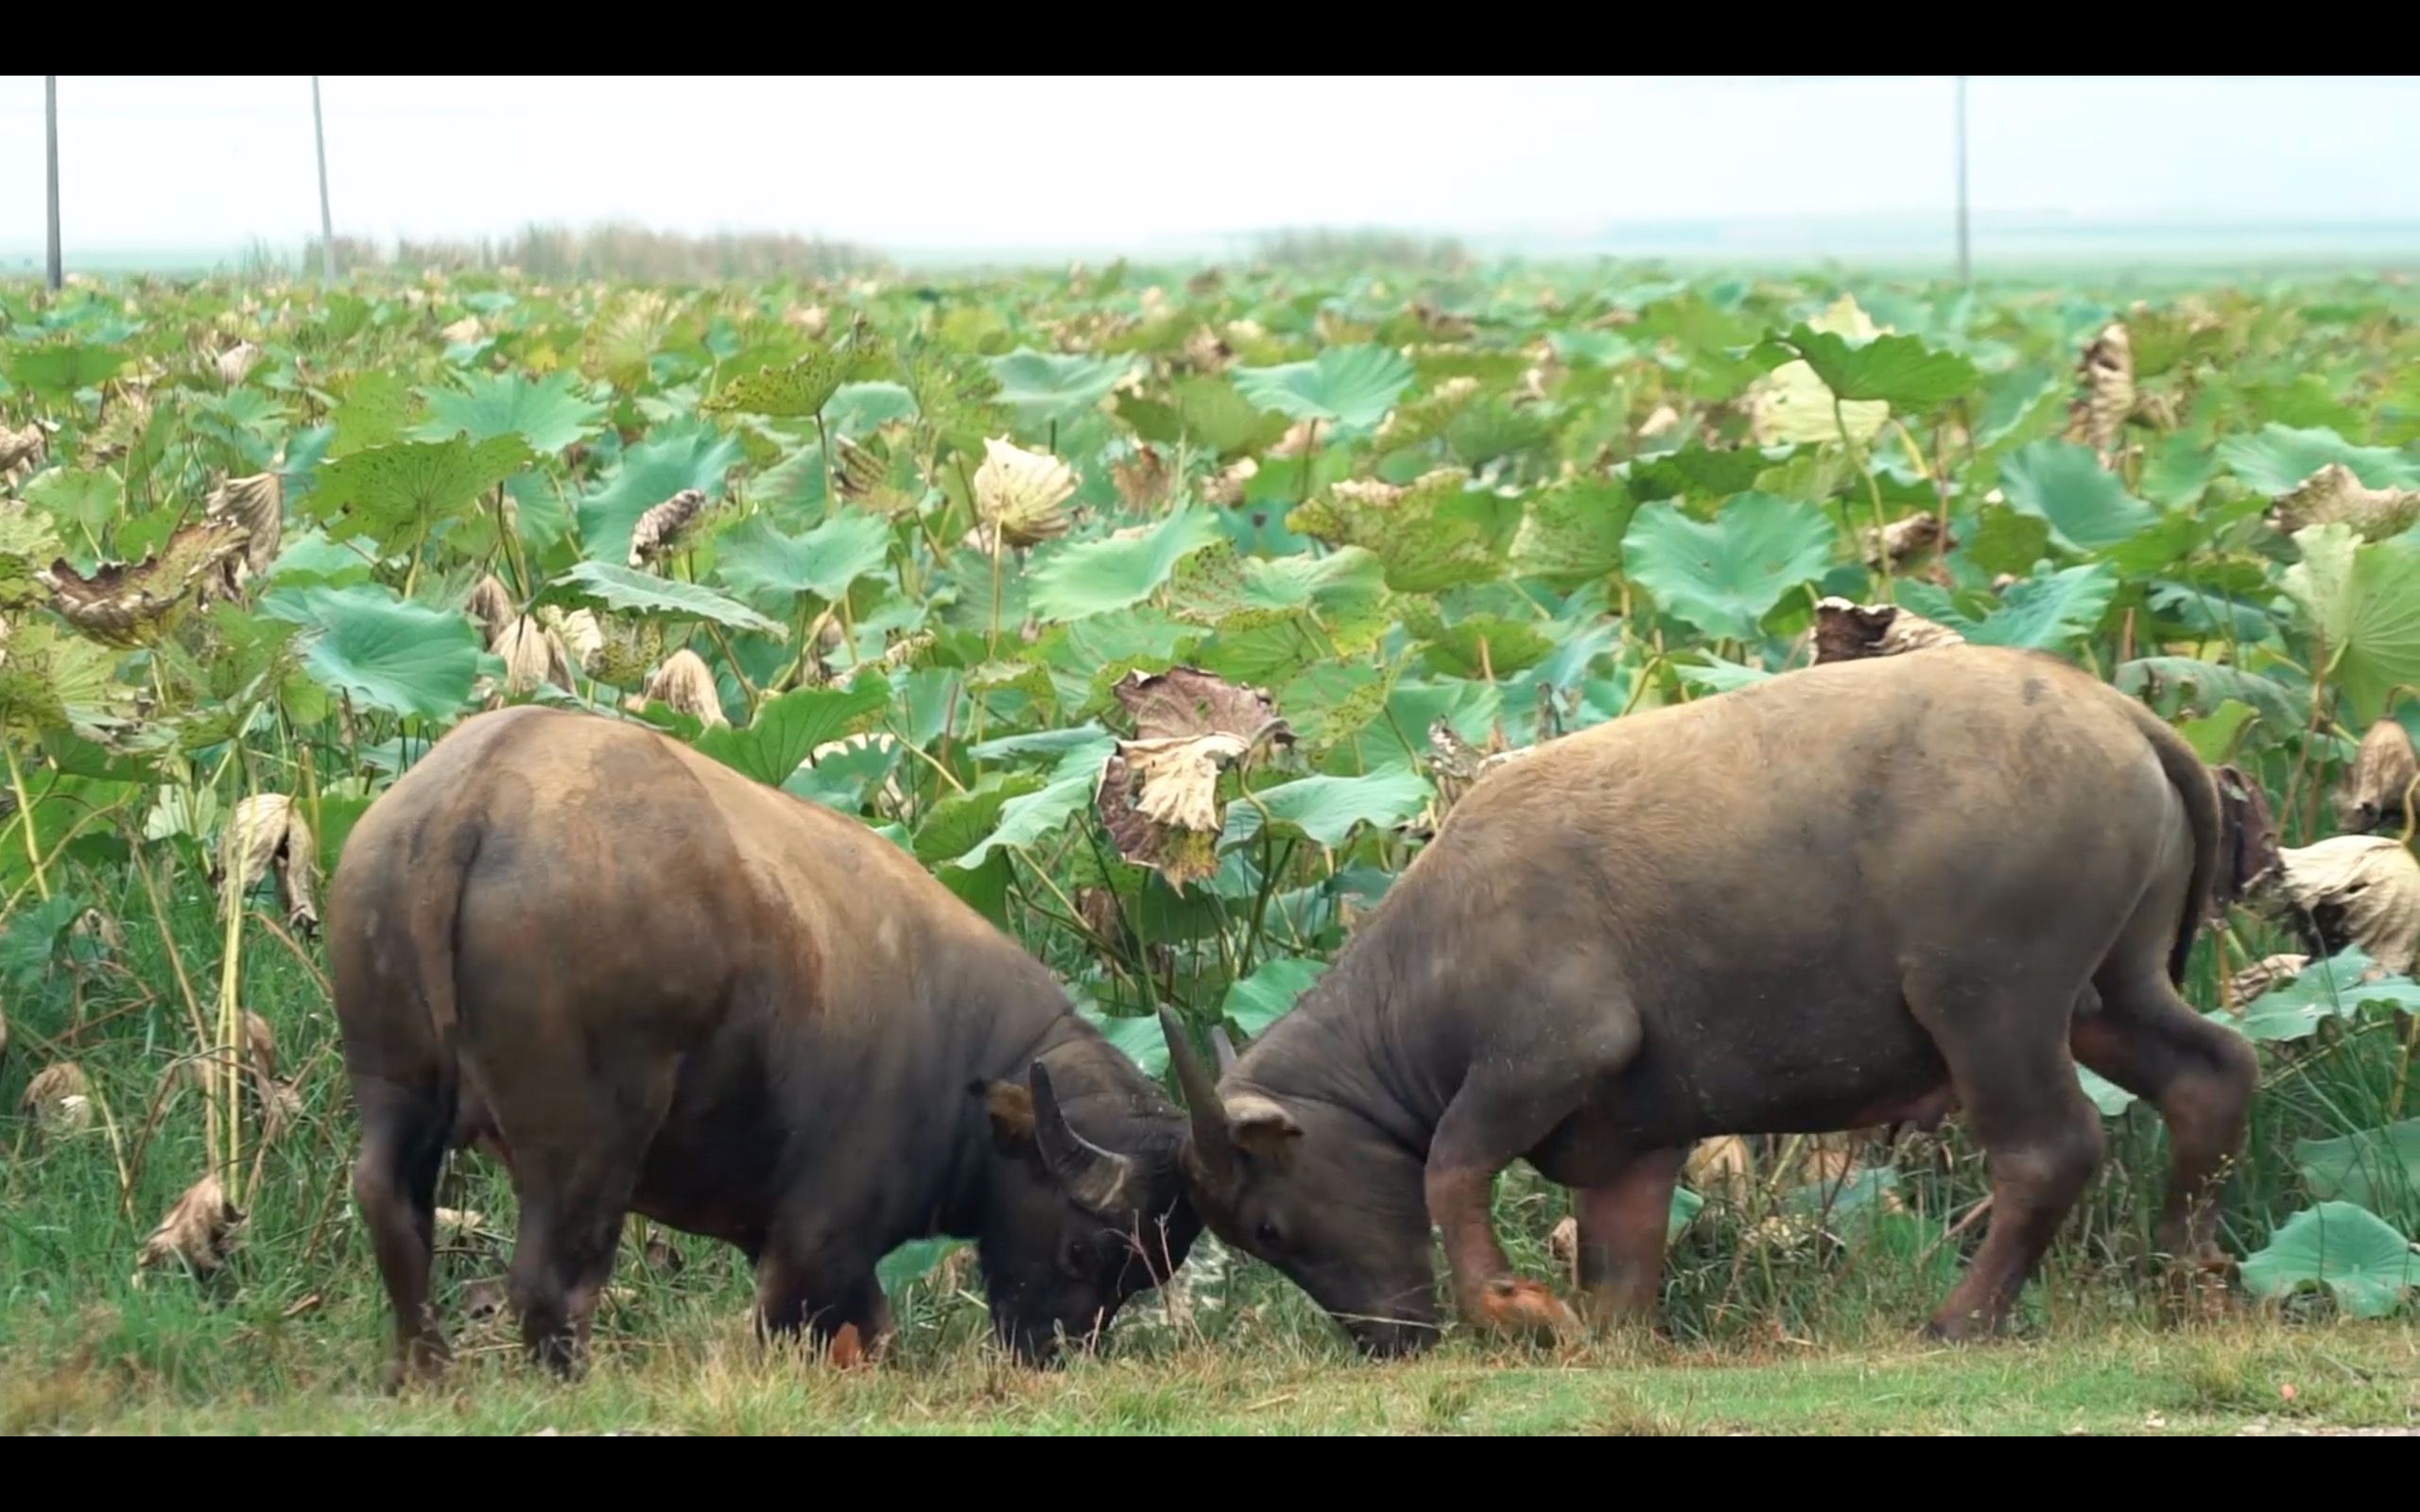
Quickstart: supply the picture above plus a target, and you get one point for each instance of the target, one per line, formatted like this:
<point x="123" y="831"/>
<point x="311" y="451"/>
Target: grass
<point x="2242" y="1376"/>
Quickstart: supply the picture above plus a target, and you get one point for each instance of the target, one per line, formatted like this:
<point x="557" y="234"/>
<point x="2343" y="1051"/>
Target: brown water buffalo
<point x="651" y="984"/>
<point x="1818" y="902"/>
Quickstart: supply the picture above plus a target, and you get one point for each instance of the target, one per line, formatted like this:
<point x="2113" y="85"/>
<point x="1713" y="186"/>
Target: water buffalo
<point x="650" y="984"/>
<point x="1826" y="901"/>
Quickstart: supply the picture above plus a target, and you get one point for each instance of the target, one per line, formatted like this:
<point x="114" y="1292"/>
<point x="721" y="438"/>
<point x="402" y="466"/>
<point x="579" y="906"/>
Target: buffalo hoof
<point x="848" y="1350"/>
<point x="1523" y="1308"/>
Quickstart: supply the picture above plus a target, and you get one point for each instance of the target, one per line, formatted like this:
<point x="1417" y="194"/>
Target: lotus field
<point x="1162" y="615"/>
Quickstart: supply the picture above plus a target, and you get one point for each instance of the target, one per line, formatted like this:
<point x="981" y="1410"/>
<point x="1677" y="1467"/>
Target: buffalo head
<point x="1074" y="1226"/>
<point x="1316" y="1190"/>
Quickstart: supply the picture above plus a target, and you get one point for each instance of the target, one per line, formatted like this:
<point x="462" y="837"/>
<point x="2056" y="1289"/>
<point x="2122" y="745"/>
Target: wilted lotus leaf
<point x="1021" y="494"/>
<point x="2335" y="495"/>
<point x="1184" y="701"/>
<point x="1158" y="794"/>
<point x="57" y="1099"/>
<point x="626" y="649"/>
<point x="864" y="478"/>
<point x="258" y="504"/>
<point x="21" y="450"/>
<point x="261" y="1046"/>
<point x="1910" y="542"/>
<point x="101" y="930"/>
<point x="1142" y="479"/>
<point x="198" y="1230"/>
<point x="491" y="604"/>
<point x="658" y="531"/>
<point x="1429" y="534"/>
<point x="1299" y="438"/>
<point x="462" y="330"/>
<point x="2361" y="889"/>
<point x="2267" y="972"/>
<point x="532" y="654"/>
<point x="582" y="636"/>
<point x="686" y="684"/>
<point x="268" y="831"/>
<point x="1454" y="765"/>
<point x="1846" y="631"/>
<point x="126" y="606"/>
<point x="236" y="361"/>
<point x="1205" y="353"/>
<point x="1718" y="1166"/>
<point x="1425" y="419"/>
<point x="2098" y="417"/>
<point x="1225" y="488"/>
<point x="2384" y="773"/>
<point x="1663" y="418"/>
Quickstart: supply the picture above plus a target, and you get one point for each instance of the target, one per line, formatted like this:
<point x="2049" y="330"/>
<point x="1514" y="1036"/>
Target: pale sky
<point x="1124" y="164"/>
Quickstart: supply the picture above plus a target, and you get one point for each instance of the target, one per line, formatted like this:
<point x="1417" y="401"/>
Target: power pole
<point x="1965" y="259"/>
<point x="50" y="124"/>
<point x="327" y="223"/>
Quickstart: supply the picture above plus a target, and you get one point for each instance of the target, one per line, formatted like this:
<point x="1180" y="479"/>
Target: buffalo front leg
<point x="405" y="1132"/>
<point x="2201" y="1078"/>
<point x="842" y="1311"/>
<point x="1490" y="1123"/>
<point x="1622" y="1225"/>
<point x="2010" y="1067"/>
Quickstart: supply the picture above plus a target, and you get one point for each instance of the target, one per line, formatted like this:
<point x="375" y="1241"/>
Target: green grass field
<point x="2232" y="1378"/>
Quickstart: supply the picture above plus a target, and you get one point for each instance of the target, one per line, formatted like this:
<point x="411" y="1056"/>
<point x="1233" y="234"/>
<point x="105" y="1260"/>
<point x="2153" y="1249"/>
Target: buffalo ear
<point x="1259" y="1126"/>
<point x="1011" y="1108"/>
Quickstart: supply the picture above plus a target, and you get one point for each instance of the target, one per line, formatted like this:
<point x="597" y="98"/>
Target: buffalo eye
<point x="1265" y="1233"/>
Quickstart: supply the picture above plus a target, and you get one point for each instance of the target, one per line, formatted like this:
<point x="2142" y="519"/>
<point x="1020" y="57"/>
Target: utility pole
<point x="50" y="124"/>
<point x="327" y="223"/>
<point x="1965" y="259"/>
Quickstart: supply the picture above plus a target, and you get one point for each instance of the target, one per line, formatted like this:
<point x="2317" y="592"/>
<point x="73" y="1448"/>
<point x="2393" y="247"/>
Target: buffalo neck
<point x="1376" y="1036"/>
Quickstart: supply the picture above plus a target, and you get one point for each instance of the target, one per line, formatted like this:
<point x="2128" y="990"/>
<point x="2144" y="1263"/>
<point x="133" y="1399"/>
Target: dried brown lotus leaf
<point x="686" y="684"/>
<point x="2385" y="771"/>
<point x="101" y="929"/>
<point x="1910" y="542"/>
<point x="1299" y="438"/>
<point x="491" y="604"/>
<point x="533" y="655"/>
<point x="465" y="330"/>
<point x="57" y="1099"/>
<point x="2263" y="974"/>
<point x="580" y="634"/>
<point x="267" y="832"/>
<point x="1143" y="478"/>
<point x="2365" y="887"/>
<point x="260" y="1044"/>
<point x="200" y="1230"/>
<point x="2335" y="495"/>
<point x="658" y="531"/>
<point x="1719" y="1168"/>
<point x="236" y="362"/>
<point x="1205" y="351"/>
<point x="2098" y="417"/>
<point x="1185" y="701"/>
<point x="1225" y="488"/>
<point x="129" y="606"/>
<point x="1847" y="632"/>
<point x="1663" y="418"/>
<point x="23" y="448"/>
<point x="258" y="504"/>
<point x="1022" y="494"/>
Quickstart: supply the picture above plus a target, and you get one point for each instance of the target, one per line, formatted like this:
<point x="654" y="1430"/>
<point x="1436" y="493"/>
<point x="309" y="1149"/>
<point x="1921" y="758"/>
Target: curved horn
<point x="1094" y="1177"/>
<point x="1223" y="1044"/>
<point x="1201" y="1093"/>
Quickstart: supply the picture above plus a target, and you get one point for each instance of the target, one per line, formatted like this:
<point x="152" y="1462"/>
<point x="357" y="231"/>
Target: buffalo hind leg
<point x="2199" y="1075"/>
<point x="1622" y="1225"/>
<point x="2010" y="1067"/>
<point x="405" y="1131"/>
<point x="848" y="1320"/>
<point x="574" y="1182"/>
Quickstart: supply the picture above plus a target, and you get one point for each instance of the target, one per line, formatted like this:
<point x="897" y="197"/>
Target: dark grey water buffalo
<point x="1822" y="902"/>
<point x="651" y="984"/>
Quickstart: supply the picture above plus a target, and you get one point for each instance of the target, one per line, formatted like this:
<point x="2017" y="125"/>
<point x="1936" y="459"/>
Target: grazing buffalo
<point x="1826" y="901"/>
<point x="651" y="984"/>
